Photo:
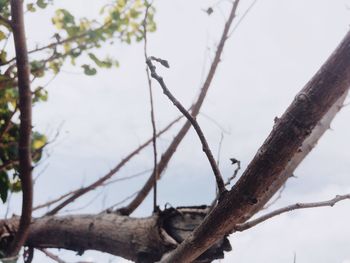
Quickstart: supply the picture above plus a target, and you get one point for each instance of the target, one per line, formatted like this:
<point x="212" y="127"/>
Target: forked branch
<point x="205" y="146"/>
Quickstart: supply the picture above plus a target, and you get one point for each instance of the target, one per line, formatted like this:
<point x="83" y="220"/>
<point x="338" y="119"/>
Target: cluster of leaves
<point x="74" y="38"/>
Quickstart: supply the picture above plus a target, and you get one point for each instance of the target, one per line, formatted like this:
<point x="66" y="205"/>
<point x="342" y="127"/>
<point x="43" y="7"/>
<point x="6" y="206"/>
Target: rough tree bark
<point x="24" y="142"/>
<point x="259" y="181"/>
<point x="142" y="240"/>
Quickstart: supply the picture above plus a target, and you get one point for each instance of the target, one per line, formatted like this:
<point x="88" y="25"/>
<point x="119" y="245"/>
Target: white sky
<point x="269" y="58"/>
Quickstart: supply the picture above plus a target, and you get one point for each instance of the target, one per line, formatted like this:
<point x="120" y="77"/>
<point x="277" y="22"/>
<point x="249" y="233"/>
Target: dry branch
<point x="153" y="122"/>
<point x="142" y="240"/>
<point x="253" y="223"/>
<point x="258" y="183"/>
<point x="183" y="131"/>
<point x="194" y="123"/>
<point x="79" y="192"/>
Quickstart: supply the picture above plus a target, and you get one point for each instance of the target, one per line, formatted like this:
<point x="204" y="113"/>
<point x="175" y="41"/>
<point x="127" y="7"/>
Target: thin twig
<point x="235" y="172"/>
<point x="216" y="123"/>
<point x="24" y="145"/>
<point x="103" y="179"/>
<point x="243" y="16"/>
<point x="59" y="42"/>
<point x="254" y="222"/>
<point x="154" y="128"/>
<point x="54" y="201"/>
<point x="278" y="197"/>
<point x="193" y="121"/>
<point x="52" y="256"/>
<point x="127" y="177"/>
<point x="165" y="159"/>
<point x="219" y="149"/>
<point x="112" y="207"/>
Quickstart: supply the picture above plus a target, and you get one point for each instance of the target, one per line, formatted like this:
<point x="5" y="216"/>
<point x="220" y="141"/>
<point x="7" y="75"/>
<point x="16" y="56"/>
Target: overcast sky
<point x="273" y="53"/>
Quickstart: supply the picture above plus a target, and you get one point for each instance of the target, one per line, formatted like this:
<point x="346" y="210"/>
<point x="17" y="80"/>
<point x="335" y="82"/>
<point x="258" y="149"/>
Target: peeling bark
<point x="142" y="240"/>
<point x="258" y="183"/>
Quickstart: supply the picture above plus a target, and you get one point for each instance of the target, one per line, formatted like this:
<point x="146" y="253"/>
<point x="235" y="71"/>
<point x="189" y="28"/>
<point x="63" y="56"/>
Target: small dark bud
<point x="233" y="161"/>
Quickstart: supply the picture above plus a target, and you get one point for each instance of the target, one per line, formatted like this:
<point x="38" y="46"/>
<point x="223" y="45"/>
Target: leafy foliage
<point x="74" y="38"/>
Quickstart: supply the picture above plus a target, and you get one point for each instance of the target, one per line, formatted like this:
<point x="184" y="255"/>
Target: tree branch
<point x="183" y="131"/>
<point x="258" y="183"/>
<point x="154" y="129"/>
<point x="142" y="240"/>
<point x="58" y="42"/>
<point x="52" y="256"/>
<point x="194" y="123"/>
<point x="78" y="193"/>
<point x="252" y="223"/>
<point x="25" y="107"/>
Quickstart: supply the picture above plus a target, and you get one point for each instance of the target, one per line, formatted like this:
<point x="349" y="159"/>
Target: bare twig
<point x="111" y="208"/>
<point x="219" y="149"/>
<point x="54" y="201"/>
<point x="154" y="129"/>
<point x="25" y="107"/>
<point x="278" y="197"/>
<point x="52" y="256"/>
<point x="59" y="42"/>
<point x="216" y="123"/>
<point x="194" y="123"/>
<point x="127" y="177"/>
<point x="103" y="179"/>
<point x="235" y="172"/>
<point x="243" y="16"/>
<point x="254" y="222"/>
<point x="183" y="131"/>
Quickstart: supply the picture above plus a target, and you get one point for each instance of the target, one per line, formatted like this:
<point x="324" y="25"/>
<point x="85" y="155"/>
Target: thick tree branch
<point x="194" y="123"/>
<point x="78" y="193"/>
<point x="25" y="107"/>
<point x="253" y="223"/>
<point x="257" y="184"/>
<point x="183" y="131"/>
<point x="142" y="240"/>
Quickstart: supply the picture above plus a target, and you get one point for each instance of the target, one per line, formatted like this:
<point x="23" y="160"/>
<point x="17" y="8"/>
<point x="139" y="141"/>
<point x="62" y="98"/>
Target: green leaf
<point x="16" y="186"/>
<point x="31" y="7"/>
<point x="2" y="35"/>
<point x="88" y="70"/>
<point x="41" y="3"/>
<point x="38" y="141"/>
<point x="101" y="63"/>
